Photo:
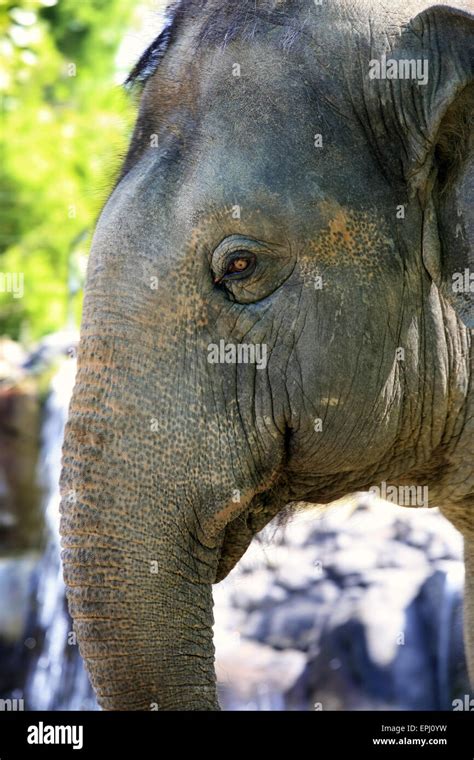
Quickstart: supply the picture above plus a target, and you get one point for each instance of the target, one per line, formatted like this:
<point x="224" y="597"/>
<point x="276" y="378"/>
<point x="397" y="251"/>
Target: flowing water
<point x="57" y="679"/>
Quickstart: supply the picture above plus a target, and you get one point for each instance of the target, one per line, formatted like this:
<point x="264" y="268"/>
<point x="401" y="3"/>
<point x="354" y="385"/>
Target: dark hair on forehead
<point x="220" y="22"/>
<point x="150" y="59"/>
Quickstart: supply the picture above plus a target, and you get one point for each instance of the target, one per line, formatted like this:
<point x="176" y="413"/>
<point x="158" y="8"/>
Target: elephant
<point x="277" y="310"/>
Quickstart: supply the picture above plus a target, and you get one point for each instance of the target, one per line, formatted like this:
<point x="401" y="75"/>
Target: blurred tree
<point x="64" y="124"/>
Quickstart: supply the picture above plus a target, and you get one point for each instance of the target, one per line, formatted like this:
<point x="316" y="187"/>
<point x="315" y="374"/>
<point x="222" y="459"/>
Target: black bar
<point x="314" y="734"/>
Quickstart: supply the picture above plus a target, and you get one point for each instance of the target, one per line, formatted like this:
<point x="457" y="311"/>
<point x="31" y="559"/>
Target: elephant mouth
<point x="237" y="539"/>
<point x="239" y="533"/>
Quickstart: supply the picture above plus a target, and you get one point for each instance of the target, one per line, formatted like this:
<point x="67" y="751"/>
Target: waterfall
<point x="57" y="680"/>
<point x="452" y="593"/>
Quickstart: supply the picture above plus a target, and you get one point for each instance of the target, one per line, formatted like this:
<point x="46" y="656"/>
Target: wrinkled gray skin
<point x="171" y="463"/>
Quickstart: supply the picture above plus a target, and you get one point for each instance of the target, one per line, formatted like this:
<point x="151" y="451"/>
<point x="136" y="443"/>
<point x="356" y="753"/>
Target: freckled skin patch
<point x="176" y="462"/>
<point x="352" y="241"/>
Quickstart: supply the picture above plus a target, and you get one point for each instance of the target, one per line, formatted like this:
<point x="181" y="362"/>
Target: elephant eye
<point x="240" y="264"/>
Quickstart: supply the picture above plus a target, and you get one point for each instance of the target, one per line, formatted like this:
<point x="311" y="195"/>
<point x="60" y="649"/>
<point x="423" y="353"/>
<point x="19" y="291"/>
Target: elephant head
<point x="269" y="313"/>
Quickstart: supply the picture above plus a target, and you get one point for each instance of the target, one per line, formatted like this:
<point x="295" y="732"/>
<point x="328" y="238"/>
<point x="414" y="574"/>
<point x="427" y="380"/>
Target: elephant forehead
<point x="254" y="108"/>
<point x="235" y="70"/>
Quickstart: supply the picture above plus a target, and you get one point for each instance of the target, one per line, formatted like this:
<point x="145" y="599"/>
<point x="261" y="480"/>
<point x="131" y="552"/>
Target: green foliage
<point x="64" y="125"/>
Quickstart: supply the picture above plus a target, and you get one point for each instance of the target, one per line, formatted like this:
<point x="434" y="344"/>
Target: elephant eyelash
<point x="149" y="61"/>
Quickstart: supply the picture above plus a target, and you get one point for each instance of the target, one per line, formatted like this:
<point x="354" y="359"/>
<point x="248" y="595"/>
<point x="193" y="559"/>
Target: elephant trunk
<point x="137" y="573"/>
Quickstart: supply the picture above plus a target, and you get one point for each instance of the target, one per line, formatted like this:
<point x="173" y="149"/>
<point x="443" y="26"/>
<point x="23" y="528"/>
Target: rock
<point x="256" y="675"/>
<point x="344" y="676"/>
<point x="325" y="593"/>
<point x="257" y="590"/>
<point x="20" y="495"/>
<point x="354" y="560"/>
<point x="296" y="624"/>
<point x="371" y="622"/>
<point x="398" y="555"/>
<point x="301" y="570"/>
<point x="438" y="549"/>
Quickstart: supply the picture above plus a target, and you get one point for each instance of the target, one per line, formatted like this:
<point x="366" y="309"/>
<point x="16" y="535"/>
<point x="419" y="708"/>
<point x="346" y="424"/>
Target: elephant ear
<point x="427" y="125"/>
